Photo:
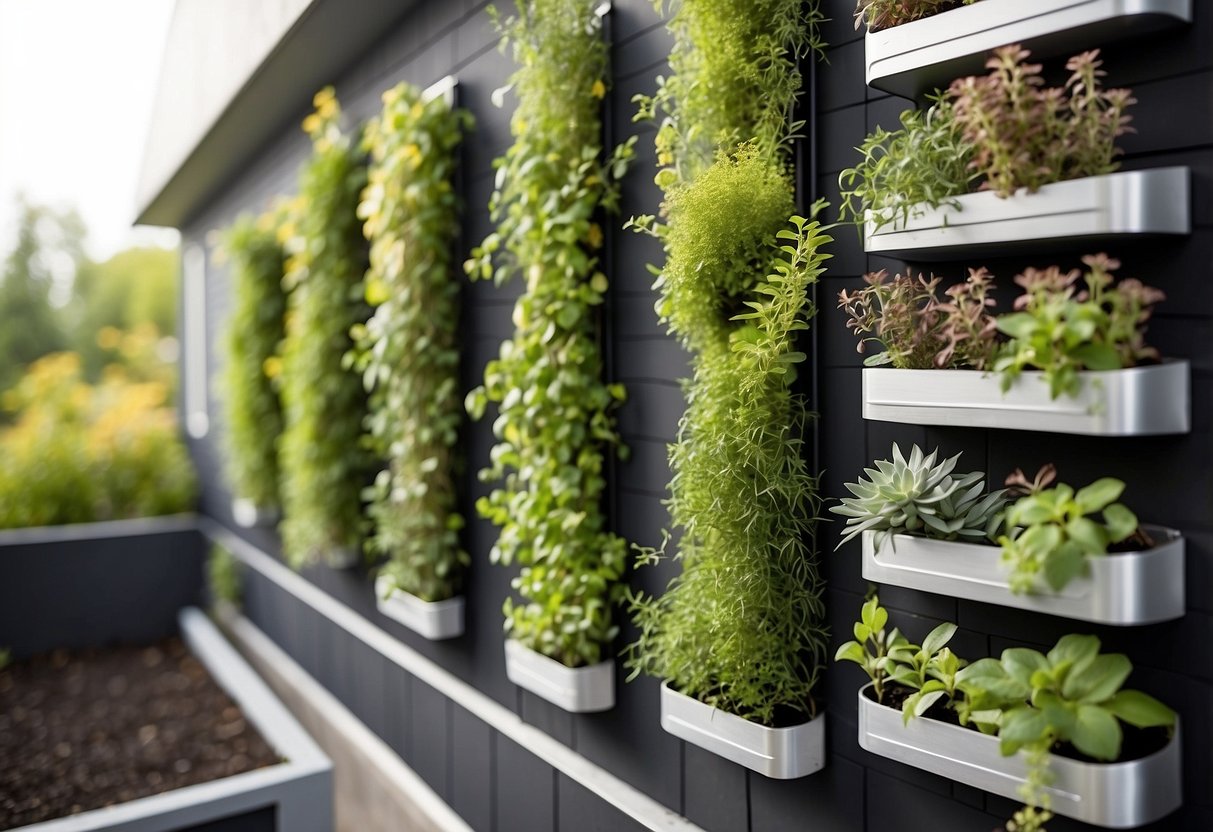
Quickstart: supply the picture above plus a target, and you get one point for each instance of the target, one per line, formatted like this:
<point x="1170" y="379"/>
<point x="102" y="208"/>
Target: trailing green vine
<point x="554" y="425"/>
<point x="742" y="628"/>
<point x="252" y="341"/>
<point x="407" y="351"/>
<point x="323" y="462"/>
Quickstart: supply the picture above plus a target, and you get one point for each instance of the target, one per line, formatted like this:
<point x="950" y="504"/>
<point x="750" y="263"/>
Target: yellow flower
<point x="323" y="97"/>
<point x="598" y="90"/>
<point x="109" y="338"/>
<point x="376" y="292"/>
<point x="311" y="124"/>
<point x="272" y="366"/>
<point x="595" y="235"/>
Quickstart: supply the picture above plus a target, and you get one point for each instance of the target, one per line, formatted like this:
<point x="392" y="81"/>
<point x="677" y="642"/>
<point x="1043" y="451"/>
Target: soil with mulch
<point x="84" y="729"/>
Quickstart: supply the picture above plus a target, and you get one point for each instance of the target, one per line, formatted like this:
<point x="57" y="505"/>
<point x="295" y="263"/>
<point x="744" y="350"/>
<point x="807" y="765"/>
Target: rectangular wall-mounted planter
<point x="575" y="689"/>
<point x="435" y="620"/>
<point x="1125" y="588"/>
<point x="1137" y="401"/>
<point x="1079" y="214"/>
<point x="249" y="515"/>
<point x="1114" y="795"/>
<point x="299" y="790"/>
<point x="914" y="59"/>
<point x="779" y="753"/>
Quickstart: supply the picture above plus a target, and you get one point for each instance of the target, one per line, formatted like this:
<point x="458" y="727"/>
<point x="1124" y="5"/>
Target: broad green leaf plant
<point x="554" y="426"/>
<point x="1032" y="701"/>
<point x="408" y="352"/>
<point x="323" y="462"/>
<point x="742" y="627"/>
<point x="252" y="341"/>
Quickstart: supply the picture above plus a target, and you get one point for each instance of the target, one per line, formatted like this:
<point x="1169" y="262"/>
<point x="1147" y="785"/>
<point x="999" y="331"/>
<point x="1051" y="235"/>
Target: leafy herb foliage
<point x="884" y="14"/>
<point x="321" y="454"/>
<point x="742" y="627"/>
<point x="554" y="424"/>
<point x="408" y="352"/>
<point x="252" y="341"/>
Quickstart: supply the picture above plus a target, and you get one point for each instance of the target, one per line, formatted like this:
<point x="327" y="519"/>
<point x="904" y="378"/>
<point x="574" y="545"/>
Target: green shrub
<point x="252" y="341"/>
<point x="742" y="627"/>
<point x="554" y="425"/>
<point x="223" y="575"/>
<point x="80" y="453"/>
<point x="323" y="463"/>
<point x="408" y="352"/>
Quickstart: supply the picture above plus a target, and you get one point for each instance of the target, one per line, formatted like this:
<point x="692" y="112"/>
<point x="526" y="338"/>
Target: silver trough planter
<point x="778" y="753"/>
<point x="435" y="620"/>
<point x="575" y="689"/>
<point x="1126" y="588"/>
<point x="915" y="58"/>
<point x="1081" y="212"/>
<point x="300" y="788"/>
<point x="249" y="514"/>
<point x="1137" y="401"/>
<point x="1113" y="795"/>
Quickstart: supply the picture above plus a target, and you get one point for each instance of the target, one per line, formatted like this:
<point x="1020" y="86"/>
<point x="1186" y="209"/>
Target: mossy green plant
<point x="252" y="341"/>
<point x="554" y="426"/>
<point x="408" y="352"/>
<point x="742" y="627"/>
<point x="323" y="461"/>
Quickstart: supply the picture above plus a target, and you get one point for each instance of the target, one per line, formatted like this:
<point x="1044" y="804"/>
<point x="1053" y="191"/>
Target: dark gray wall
<point x="494" y="783"/>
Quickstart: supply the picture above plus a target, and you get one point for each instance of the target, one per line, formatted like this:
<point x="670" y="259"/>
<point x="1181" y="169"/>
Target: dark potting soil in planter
<point x="785" y="715"/>
<point x="84" y="729"/>
<point x="1137" y="742"/>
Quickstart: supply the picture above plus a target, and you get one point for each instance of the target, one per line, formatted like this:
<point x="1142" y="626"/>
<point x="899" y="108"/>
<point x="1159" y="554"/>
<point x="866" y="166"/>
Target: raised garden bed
<point x="1124" y="588"/>
<point x="575" y="689"/>
<point x="779" y="753"/>
<point x="1118" y="795"/>
<point x="144" y="738"/>
<point x="1137" y="401"/>
<point x="915" y="58"/>
<point x="1077" y="214"/>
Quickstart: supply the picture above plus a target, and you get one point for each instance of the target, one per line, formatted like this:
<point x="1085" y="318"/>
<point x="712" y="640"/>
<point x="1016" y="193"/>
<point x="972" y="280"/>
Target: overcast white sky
<point x="77" y="78"/>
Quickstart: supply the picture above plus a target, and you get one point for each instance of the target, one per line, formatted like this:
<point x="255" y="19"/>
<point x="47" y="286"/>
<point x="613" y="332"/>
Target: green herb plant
<point x="1054" y="531"/>
<point x="554" y="425"/>
<point x="885" y="14"/>
<point x="742" y="627"/>
<point x="1030" y="701"/>
<point x="918" y="496"/>
<point x="224" y="576"/>
<point x="323" y="463"/>
<point x="407" y="351"/>
<point x="252" y="340"/>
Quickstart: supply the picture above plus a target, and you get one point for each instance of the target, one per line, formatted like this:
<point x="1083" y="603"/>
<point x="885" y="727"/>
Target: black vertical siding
<point x="496" y="784"/>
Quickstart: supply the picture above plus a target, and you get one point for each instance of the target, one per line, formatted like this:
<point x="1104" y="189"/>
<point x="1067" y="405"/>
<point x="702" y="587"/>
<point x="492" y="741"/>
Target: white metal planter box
<point x="1082" y="213"/>
<point x="1114" y="795"/>
<point x="779" y="753"/>
<point x="249" y="514"/>
<point x="301" y="787"/>
<point x="915" y="58"/>
<point x="435" y="620"/>
<point x="1125" y="588"/>
<point x="575" y="689"/>
<point x="1137" y="401"/>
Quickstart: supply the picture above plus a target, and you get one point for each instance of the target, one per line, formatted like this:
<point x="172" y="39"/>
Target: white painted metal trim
<point x="631" y="801"/>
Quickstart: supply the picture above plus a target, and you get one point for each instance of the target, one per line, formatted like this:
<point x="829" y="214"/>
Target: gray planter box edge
<point x="1089" y="212"/>
<point x="1124" y="589"/>
<point x="1114" y="795"/>
<point x="915" y="58"/>
<point x="586" y="689"/>
<point x="435" y="620"/>
<point x="778" y="753"/>
<point x="1135" y="401"/>
<point x="300" y="787"/>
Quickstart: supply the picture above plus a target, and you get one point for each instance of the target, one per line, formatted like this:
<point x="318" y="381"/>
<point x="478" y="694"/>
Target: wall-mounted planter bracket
<point x="1137" y="401"/>
<point x="779" y="753"/>
<point x="915" y="58"/>
<point x="1078" y="214"/>
<point x="1125" y="588"/>
<point x="575" y="689"/>
<point x="1114" y="795"/>
<point x="435" y="620"/>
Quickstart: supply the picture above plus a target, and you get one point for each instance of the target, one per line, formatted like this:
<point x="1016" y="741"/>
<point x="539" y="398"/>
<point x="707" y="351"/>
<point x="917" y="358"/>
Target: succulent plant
<point x="918" y="496"/>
